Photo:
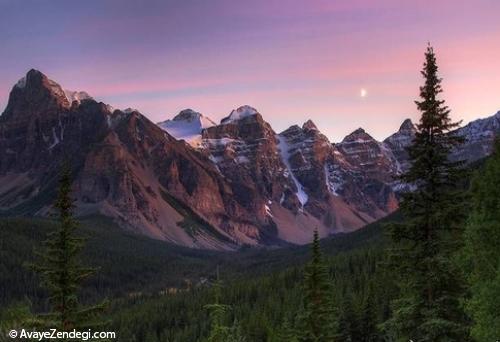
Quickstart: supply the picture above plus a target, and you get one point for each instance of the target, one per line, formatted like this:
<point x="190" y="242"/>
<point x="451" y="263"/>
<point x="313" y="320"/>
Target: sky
<point x="292" y="60"/>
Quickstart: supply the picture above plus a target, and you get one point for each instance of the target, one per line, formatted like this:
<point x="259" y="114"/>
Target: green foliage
<point x="16" y="317"/>
<point x="287" y="333"/>
<point x="430" y="284"/>
<point x="60" y="270"/>
<point x="481" y="257"/>
<point x="219" y="332"/>
<point x="367" y="322"/>
<point x="259" y="303"/>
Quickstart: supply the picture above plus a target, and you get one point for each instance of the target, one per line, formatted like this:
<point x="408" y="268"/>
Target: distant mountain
<point x="187" y="126"/>
<point x="196" y="183"/>
<point x="479" y="136"/>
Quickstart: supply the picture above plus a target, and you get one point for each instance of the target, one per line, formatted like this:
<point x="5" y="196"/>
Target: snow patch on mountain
<point x="334" y="180"/>
<point x="285" y="155"/>
<point x="55" y="139"/>
<point x="77" y="96"/>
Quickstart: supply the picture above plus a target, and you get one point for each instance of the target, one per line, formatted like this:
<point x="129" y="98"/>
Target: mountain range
<point x="193" y="182"/>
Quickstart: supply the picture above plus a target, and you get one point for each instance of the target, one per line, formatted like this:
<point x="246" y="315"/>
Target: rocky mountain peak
<point x="35" y="81"/>
<point x="359" y="135"/>
<point x="309" y="125"/>
<point x="407" y="126"/>
<point x="187" y="115"/>
<point x="34" y="94"/>
<point x="32" y="78"/>
<point x="292" y="130"/>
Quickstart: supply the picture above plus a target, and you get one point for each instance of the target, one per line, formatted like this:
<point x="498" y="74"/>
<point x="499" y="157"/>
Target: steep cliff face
<point x="325" y="180"/>
<point x="38" y="129"/>
<point x="398" y="142"/>
<point x="366" y="172"/>
<point x="244" y="149"/>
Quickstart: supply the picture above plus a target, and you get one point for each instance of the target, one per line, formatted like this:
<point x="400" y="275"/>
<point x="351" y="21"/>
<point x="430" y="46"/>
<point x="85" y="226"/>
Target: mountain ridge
<point x="232" y="184"/>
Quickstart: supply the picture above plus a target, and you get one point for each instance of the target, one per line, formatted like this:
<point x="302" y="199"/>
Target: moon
<point x="363" y="92"/>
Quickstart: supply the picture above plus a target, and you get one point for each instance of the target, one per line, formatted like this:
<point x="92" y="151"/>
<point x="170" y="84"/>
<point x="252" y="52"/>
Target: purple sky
<point x="290" y="59"/>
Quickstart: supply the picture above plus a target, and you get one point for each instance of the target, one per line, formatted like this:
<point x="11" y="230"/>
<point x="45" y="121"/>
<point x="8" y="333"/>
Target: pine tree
<point x="367" y="325"/>
<point x="236" y="333"/>
<point x="430" y="286"/>
<point x="219" y="332"/>
<point x="60" y="269"/>
<point x="318" y="321"/>
<point x="287" y="333"/>
<point x="481" y="251"/>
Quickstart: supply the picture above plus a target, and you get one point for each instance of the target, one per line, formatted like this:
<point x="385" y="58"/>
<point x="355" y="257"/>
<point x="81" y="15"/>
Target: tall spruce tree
<point x="430" y="285"/>
<point x="60" y="270"/>
<point x="318" y="321"/>
<point x="481" y="251"/>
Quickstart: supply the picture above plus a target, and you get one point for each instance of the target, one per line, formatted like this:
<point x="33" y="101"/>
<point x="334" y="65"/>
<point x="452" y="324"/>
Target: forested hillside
<point x="160" y="289"/>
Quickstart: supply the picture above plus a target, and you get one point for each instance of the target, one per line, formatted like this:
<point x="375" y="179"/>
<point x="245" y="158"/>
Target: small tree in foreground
<point x="60" y="270"/>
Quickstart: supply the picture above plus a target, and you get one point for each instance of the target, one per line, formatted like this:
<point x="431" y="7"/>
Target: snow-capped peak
<point x="358" y="136"/>
<point x="240" y="113"/>
<point x="189" y="115"/>
<point x="187" y="126"/>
